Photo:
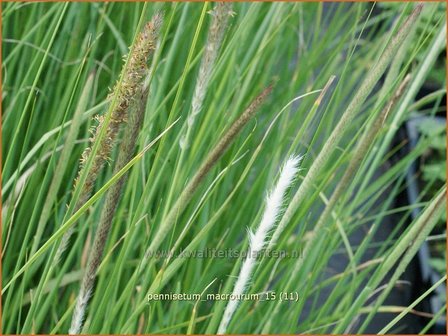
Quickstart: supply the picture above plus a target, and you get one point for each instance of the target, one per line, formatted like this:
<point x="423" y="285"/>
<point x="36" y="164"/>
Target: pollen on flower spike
<point x="128" y="89"/>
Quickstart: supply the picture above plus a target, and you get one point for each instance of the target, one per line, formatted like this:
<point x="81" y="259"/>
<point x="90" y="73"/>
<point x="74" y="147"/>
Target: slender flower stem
<point x="340" y="193"/>
<point x="359" y="153"/>
<point x="212" y="158"/>
<point x="216" y="33"/>
<point x="324" y="155"/>
<point x="437" y="47"/>
<point x="366" y="87"/>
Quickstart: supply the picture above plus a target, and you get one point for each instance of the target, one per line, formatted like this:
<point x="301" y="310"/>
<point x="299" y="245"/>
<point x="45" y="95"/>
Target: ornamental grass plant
<point x="139" y="141"/>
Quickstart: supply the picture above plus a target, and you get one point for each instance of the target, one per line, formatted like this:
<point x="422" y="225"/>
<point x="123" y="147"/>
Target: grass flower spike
<point x="345" y="121"/>
<point x="135" y="110"/>
<point x="258" y="240"/>
<point x="132" y="78"/>
<point x="215" y="36"/>
<point x="211" y="159"/>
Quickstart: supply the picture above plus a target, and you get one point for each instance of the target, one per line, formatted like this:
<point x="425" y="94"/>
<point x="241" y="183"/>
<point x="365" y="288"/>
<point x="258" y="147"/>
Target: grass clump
<point x="194" y="114"/>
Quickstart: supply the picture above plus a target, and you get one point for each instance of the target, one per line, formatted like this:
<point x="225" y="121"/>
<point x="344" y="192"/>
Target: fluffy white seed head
<point x="274" y="202"/>
<point x="257" y="240"/>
